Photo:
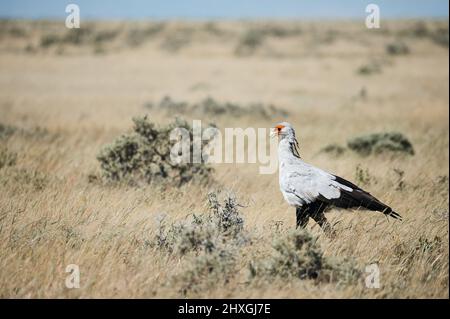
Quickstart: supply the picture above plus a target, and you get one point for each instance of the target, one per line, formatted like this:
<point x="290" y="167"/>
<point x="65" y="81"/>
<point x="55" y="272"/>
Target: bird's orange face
<point x="278" y="128"/>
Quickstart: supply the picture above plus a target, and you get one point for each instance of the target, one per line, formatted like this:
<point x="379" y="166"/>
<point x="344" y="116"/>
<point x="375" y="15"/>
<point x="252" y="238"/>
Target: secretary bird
<point x="311" y="190"/>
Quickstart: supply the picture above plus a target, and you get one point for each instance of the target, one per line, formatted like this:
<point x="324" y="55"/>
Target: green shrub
<point x="168" y="104"/>
<point x="249" y="42"/>
<point x="381" y="143"/>
<point x="144" y="156"/>
<point x="218" y="229"/>
<point x="254" y="37"/>
<point x="105" y="36"/>
<point x="214" y="238"/>
<point x="441" y="37"/>
<point x="49" y="40"/>
<point x="207" y="271"/>
<point x="18" y="32"/>
<point x="6" y="131"/>
<point x="397" y="48"/>
<point x="297" y="255"/>
<point x="77" y="36"/>
<point x="420" y="30"/>
<point x="227" y="217"/>
<point x="333" y="149"/>
<point x="370" y="68"/>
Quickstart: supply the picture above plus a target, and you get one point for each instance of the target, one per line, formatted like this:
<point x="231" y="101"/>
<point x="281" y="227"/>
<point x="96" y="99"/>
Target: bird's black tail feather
<point x="394" y="215"/>
<point x="360" y="198"/>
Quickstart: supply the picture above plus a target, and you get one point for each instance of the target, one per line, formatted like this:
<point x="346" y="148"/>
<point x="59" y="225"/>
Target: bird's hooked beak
<point x="276" y="131"/>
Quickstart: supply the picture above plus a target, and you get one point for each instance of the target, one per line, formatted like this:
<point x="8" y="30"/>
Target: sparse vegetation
<point x="333" y="149"/>
<point x="211" y="107"/>
<point x="145" y="156"/>
<point x="138" y="36"/>
<point x="174" y="42"/>
<point x="215" y="237"/>
<point x="297" y="255"/>
<point x="438" y="34"/>
<point x="441" y="37"/>
<point x="19" y="179"/>
<point x="222" y="225"/>
<point x="400" y="174"/>
<point x="7" y="158"/>
<point x="105" y="36"/>
<point x="377" y="143"/>
<point x="373" y="144"/>
<point x="371" y="68"/>
<point x="49" y="40"/>
<point x="249" y="42"/>
<point x="397" y="48"/>
<point x="255" y="37"/>
<point x="6" y="131"/>
<point x="213" y="28"/>
<point x="64" y="103"/>
<point x="363" y="177"/>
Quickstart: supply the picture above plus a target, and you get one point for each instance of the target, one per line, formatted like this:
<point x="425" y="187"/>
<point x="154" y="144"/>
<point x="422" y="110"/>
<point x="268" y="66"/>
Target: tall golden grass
<point x="66" y="101"/>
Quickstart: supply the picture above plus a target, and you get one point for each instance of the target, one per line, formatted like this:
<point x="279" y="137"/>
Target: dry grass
<point x="67" y="100"/>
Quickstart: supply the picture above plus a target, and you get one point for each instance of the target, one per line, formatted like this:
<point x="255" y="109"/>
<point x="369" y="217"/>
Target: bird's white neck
<point x="287" y="149"/>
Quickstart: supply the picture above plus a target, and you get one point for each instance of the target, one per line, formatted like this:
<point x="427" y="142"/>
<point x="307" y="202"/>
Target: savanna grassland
<point x="65" y="94"/>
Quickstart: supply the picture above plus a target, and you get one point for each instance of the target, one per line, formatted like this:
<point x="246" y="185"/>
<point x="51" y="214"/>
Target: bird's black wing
<point x="358" y="198"/>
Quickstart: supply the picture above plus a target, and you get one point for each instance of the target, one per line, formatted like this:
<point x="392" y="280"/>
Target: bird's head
<point x="282" y="130"/>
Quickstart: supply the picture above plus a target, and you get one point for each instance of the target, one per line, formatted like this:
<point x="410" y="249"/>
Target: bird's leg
<point x="324" y="224"/>
<point x="302" y="217"/>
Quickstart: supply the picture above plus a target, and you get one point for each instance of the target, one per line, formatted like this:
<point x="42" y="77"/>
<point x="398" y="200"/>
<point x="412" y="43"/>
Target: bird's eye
<point x="279" y="128"/>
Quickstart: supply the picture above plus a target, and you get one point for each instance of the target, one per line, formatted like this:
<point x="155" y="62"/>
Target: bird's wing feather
<point x="303" y="184"/>
<point x="309" y="183"/>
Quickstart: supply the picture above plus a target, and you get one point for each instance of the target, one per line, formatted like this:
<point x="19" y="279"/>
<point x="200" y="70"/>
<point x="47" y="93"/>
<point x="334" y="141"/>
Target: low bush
<point x="48" y="40"/>
<point x="297" y="255"/>
<point x="333" y="149"/>
<point x="207" y="271"/>
<point x="144" y="156"/>
<point x="377" y="143"/>
<point x="254" y="37"/>
<point x="441" y="37"/>
<point x="214" y="239"/>
<point x="6" y="130"/>
<point x="249" y="42"/>
<point x="221" y="227"/>
<point x="370" y="68"/>
<point x="397" y="48"/>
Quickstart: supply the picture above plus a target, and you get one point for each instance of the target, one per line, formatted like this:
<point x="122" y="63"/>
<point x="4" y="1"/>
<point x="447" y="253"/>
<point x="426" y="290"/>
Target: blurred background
<point x="204" y="9"/>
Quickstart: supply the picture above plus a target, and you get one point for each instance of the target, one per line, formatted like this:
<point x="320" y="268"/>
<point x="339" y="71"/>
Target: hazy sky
<point x="207" y="9"/>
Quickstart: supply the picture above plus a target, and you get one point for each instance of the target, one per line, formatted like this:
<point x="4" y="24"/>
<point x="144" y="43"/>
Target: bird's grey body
<point x="312" y="190"/>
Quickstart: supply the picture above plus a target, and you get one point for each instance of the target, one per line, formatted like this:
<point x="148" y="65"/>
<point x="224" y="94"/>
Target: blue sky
<point x="231" y="9"/>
